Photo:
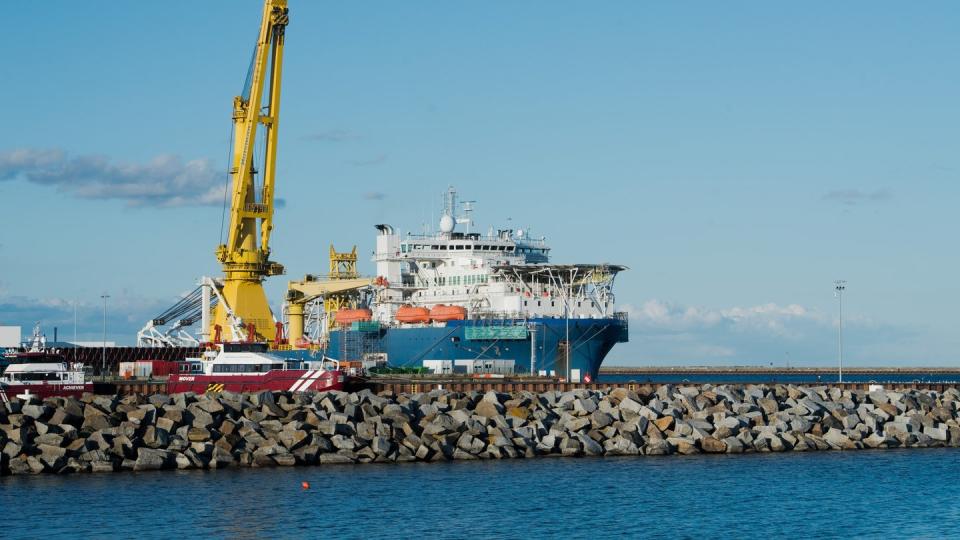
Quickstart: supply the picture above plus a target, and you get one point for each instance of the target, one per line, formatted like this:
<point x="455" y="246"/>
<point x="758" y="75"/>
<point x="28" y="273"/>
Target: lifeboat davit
<point x="442" y="312"/>
<point x="347" y="316"/>
<point x="412" y="314"/>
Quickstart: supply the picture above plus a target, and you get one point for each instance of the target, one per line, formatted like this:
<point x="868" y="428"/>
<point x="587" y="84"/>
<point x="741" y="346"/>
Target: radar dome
<point x="446" y="224"/>
<point x="519" y="233"/>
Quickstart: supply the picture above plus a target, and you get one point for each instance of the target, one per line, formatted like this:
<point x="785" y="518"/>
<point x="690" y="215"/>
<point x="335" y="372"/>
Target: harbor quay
<point x="99" y="433"/>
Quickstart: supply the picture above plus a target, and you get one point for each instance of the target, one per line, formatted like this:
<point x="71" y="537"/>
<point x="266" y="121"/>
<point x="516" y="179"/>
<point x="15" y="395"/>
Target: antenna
<point x="450" y="201"/>
<point x="467" y="210"/>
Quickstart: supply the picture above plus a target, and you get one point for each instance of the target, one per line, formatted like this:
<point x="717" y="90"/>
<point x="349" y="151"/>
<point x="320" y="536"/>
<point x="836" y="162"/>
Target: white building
<point x="10" y="336"/>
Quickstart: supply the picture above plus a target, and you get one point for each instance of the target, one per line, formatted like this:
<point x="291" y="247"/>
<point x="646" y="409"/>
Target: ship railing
<point x="624" y="319"/>
<point x="526" y="242"/>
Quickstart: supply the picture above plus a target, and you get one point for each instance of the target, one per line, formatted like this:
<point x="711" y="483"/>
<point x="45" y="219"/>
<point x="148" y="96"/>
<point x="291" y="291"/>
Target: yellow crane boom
<point x="245" y="263"/>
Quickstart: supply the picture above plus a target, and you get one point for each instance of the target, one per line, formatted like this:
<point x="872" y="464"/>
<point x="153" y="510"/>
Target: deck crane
<point x="245" y="263"/>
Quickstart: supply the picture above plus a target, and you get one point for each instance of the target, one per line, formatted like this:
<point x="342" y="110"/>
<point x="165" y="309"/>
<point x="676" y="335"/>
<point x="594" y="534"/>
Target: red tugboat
<point x="249" y="367"/>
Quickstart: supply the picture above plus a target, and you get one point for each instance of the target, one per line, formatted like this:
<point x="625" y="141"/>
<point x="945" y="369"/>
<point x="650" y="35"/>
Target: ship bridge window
<point x="403" y="248"/>
<point x="46" y="376"/>
<point x="242" y="368"/>
<point x="434" y="247"/>
<point x="244" y="347"/>
<point x="443" y="247"/>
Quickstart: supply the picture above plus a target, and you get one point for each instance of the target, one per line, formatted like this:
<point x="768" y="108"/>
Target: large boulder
<point x="37" y="412"/>
<point x="489" y="409"/>
<point x="620" y="446"/>
<point x="590" y="446"/>
<point x="711" y="445"/>
<point x="657" y="447"/>
<point x="938" y="432"/>
<point x="734" y="445"/>
<point x="143" y="415"/>
<point x="149" y="459"/>
<point x="584" y="406"/>
<point x="197" y="434"/>
<point x="53" y="457"/>
<point x="293" y="439"/>
<point x="665" y="423"/>
<point x="201" y="418"/>
<point x="838" y="439"/>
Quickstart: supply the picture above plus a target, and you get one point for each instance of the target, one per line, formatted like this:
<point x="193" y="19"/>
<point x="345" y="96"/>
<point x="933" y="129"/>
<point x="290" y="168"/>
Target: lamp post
<point x="839" y="286"/>
<point x="103" y="359"/>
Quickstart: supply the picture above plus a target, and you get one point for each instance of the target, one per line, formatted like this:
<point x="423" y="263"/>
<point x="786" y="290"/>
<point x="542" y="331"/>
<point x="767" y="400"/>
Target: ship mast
<point x="245" y="263"/>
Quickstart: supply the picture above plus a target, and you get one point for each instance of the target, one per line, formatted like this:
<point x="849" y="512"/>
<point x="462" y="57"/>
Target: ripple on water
<point x="827" y="494"/>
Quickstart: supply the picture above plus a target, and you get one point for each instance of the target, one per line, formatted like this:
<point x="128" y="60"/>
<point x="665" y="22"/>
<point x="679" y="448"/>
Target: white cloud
<point x="163" y="181"/>
<point x="127" y="312"/>
<point x="658" y="314"/>
<point x="663" y="332"/>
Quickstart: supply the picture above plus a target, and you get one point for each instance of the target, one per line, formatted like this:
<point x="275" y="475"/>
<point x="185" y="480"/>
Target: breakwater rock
<point x="110" y="433"/>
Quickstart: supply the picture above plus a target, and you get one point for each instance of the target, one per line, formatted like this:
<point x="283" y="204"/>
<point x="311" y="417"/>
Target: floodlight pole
<point x="839" y="287"/>
<point x="103" y="359"/>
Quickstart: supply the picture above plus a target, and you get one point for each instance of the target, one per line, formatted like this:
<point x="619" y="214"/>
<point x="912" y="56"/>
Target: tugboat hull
<point x="294" y="380"/>
<point x="43" y="391"/>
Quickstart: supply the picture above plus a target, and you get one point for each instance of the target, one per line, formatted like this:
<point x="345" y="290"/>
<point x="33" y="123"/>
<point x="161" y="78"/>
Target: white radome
<point x="447" y="224"/>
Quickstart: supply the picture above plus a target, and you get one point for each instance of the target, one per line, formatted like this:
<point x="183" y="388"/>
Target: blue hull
<point x="590" y="341"/>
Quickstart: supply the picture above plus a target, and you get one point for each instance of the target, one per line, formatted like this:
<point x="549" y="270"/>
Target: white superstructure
<point x="503" y="273"/>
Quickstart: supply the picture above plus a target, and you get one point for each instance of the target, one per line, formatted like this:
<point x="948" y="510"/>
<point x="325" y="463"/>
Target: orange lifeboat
<point x="347" y="316"/>
<point x="442" y="312"/>
<point x="411" y="314"/>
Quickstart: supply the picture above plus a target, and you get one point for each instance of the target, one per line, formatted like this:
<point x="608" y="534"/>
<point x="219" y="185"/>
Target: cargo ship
<point x="456" y="301"/>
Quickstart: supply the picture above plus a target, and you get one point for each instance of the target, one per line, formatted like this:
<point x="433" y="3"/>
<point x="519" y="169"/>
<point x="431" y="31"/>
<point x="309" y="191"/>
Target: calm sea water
<point x="869" y="494"/>
<point x="785" y="378"/>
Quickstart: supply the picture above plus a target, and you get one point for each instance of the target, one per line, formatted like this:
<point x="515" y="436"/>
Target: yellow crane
<point x="245" y="263"/>
<point x="340" y="287"/>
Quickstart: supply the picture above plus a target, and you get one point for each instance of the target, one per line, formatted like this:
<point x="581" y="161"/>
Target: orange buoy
<point x="443" y="312"/>
<point x="412" y="314"/>
<point x="347" y="316"/>
<point x="305" y="485"/>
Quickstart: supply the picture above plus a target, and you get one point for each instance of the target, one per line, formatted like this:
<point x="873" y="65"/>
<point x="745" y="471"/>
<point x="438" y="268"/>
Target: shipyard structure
<point x="451" y="301"/>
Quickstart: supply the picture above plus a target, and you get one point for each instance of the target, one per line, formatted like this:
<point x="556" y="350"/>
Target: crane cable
<point x="226" y="184"/>
<point x="245" y="95"/>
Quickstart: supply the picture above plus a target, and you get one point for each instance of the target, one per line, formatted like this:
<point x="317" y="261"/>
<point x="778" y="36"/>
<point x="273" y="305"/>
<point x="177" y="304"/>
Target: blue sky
<point x="738" y="158"/>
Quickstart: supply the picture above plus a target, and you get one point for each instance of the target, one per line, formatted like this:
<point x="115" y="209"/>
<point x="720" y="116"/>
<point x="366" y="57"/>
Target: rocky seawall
<point x="187" y="431"/>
